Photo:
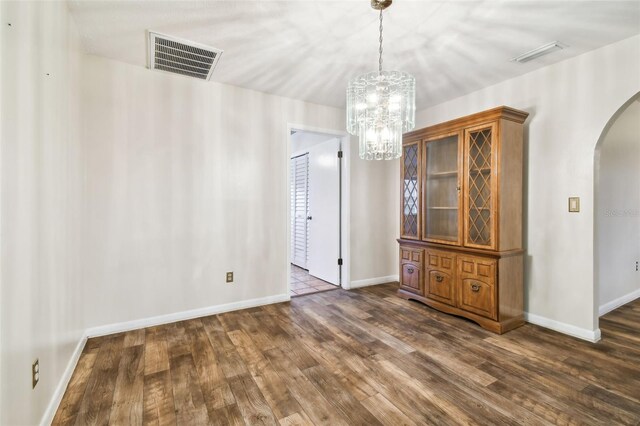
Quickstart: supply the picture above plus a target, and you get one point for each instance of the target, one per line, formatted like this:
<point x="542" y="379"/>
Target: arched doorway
<point x="617" y="210"/>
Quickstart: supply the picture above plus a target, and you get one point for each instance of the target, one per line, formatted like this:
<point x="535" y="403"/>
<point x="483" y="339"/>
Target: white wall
<point x="569" y="104"/>
<point x="618" y="210"/>
<point x="186" y="180"/>
<point x="42" y="293"/>
<point x="302" y="141"/>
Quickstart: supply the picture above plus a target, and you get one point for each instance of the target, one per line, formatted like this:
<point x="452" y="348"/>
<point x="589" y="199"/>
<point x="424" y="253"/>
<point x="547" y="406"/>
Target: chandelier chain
<point x="380" y="48"/>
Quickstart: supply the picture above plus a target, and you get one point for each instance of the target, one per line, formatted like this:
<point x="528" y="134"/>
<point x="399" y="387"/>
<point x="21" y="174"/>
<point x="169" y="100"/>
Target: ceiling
<point x="308" y="50"/>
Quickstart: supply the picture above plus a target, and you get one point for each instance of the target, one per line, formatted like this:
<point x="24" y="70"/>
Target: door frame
<point x="345" y="205"/>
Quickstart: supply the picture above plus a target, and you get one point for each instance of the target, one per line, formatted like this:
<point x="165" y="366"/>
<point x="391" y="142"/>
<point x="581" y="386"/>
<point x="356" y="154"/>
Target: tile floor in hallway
<point x="303" y="283"/>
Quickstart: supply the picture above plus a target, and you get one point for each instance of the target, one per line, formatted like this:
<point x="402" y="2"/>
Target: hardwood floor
<point x="362" y="357"/>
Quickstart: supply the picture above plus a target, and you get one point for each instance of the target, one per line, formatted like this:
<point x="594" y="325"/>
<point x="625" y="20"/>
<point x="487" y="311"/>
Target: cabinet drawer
<point x="411" y="270"/>
<point x="440" y="276"/>
<point x="477" y="286"/>
<point x="411" y="279"/>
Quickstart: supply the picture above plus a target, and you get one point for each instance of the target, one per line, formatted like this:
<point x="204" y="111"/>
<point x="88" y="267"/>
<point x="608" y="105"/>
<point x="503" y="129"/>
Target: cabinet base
<point x="498" y="327"/>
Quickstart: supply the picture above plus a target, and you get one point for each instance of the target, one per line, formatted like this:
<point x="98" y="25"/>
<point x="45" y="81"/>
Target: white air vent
<point x="177" y="56"/>
<point x="539" y="51"/>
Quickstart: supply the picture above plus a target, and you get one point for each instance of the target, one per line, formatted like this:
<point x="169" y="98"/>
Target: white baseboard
<point x="374" y="281"/>
<point x="50" y="412"/>
<point x="615" y="304"/>
<point x="561" y="327"/>
<point x="184" y="315"/>
<point x="120" y="327"/>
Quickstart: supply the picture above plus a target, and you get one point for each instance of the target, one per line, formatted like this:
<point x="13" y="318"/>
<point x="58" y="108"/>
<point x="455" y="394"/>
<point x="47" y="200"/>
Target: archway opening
<point x="617" y="210"/>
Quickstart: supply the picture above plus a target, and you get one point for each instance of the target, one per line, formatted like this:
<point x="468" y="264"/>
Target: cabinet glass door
<point x="480" y="188"/>
<point x="442" y="190"/>
<point x="410" y="224"/>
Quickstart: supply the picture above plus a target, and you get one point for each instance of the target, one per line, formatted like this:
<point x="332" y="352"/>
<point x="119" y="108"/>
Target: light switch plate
<point x="229" y="277"/>
<point x="574" y="204"/>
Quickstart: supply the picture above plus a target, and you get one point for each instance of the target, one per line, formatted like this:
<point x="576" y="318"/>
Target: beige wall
<point x="128" y="194"/>
<point x="186" y="180"/>
<point x="569" y="104"/>
<point x="374" y="217"/>
<point x="133" y="199"/>
<point x="42" y="293"/>
<point x="618" y="210"/>
<point x="1" y="270"/>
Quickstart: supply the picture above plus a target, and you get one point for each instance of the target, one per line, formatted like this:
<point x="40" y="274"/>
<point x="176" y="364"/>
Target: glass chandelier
<point x="381" y="106"/>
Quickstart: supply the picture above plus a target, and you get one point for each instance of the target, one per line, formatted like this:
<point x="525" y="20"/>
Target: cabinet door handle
<point x="439" y="278"/>
<point x="475" y="287"/>
<point x="410" y="270"/>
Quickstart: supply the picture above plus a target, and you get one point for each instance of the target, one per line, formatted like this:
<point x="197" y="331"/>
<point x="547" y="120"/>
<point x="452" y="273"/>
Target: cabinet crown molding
<point x="494" y="114"/>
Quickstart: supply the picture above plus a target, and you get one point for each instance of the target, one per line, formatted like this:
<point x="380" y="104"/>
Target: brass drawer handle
<point x="410" y="270"/>
<point x="475" y="287"/>
<point x="439" y="278"/>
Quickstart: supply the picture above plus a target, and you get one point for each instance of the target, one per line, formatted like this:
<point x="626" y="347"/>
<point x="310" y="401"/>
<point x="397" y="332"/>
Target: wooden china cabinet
<point x="461" y="218"/>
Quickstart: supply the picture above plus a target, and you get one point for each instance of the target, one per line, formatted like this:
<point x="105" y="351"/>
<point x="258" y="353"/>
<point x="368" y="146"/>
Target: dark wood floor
<point x="362" y="357"/>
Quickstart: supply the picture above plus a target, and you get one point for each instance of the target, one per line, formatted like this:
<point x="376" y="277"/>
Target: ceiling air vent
<point x="177" y="56"/>
<point x="539" y="51"/>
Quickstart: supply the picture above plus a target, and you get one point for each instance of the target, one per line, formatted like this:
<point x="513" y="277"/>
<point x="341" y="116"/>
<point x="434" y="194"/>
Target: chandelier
<point x="381" y="106"/>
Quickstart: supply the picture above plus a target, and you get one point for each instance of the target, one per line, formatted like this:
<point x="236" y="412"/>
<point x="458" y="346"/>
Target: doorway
<point x="617" y="212"/>
<point x="316" y="170"/>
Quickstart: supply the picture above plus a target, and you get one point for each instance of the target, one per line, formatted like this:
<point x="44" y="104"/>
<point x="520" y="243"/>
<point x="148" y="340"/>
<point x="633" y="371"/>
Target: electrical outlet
<point x="35" y="373"/>
<point x="229" y="277"/>
<point x="637" y="265"/>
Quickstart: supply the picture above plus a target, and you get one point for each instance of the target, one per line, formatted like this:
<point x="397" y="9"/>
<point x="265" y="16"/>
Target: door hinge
<point x="340" y="262"/>
<point x="339" y="154"/>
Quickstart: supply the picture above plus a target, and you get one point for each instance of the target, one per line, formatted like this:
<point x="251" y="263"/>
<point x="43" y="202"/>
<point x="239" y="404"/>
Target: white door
<point x="299" y="209"/>
<point x="324" y="211"/>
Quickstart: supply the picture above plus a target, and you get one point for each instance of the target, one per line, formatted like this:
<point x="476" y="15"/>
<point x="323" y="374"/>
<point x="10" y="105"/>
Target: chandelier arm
<point x="380" y="48"/>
